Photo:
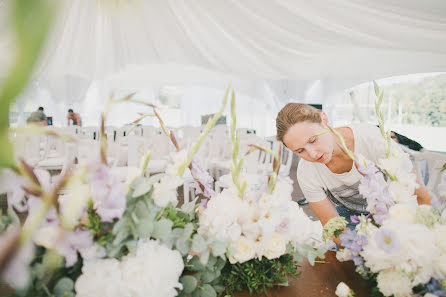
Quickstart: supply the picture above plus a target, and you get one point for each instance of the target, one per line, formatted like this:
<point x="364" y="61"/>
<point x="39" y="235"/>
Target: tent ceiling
<point x="294" y="40"/>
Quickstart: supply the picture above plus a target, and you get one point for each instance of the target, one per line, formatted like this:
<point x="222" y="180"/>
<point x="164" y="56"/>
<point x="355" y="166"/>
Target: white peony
<point x="165" y="191"/>
<point x="100" y="278"/>
<point x="391" y="283"/>
<point x="342" y="290"/>
<point x="244" y="250"/>
<point x="274" y="246"/>
<point x="153" y="271"/>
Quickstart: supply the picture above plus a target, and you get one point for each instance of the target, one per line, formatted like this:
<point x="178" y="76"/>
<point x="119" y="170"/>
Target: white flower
<point x="440" y="237"/>
<point x="440" y="267"/>
<point x="342" y="290"/>
<point x="165" y="191"/>
<point x="402" y="194"/>
<point x="429" y="295"/>
<point x="153" y="271"/>
<point x="275" y="246"/>
<point x="402" y="213"/>
<point x="391" y="283"/>
<point x="178" y="159"/>
<point x="100" y="278"/>
<point x="344" y="255"/>
<point x="244" y="250"/>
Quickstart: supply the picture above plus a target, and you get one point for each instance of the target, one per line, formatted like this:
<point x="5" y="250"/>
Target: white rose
<point x="275" y="246"/>
<point x="244" y="250"/>
<point x="342" y="290"/>
<point x="391" y="283"/>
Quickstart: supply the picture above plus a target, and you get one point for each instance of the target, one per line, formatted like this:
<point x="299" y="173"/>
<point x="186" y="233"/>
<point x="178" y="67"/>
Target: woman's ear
<point x="324" y="118"/>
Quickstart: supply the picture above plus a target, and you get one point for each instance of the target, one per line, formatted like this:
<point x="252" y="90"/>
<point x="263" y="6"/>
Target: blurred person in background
<point x="37" y="117"/>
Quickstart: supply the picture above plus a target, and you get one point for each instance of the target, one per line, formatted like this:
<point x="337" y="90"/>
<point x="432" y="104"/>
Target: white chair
<point x="435" y="162"/>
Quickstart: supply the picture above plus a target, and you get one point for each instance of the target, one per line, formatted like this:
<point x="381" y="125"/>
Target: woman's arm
<point x="423" y="195"/>
<point x="325" y="211"/>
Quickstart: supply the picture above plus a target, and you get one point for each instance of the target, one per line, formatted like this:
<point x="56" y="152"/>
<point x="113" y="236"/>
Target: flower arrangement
<point x="400" y="246"/>
<point x="265" y="232"/>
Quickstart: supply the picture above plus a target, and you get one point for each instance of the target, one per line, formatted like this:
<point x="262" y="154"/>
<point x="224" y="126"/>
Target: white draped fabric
<point x="281" y="46"/>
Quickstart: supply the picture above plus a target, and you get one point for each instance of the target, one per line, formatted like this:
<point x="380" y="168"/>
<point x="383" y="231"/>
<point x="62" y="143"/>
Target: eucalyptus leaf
<point x="208" y="276"/>
<point x="196" y="264"/>
<point x="63" y="287"/>
<point x="189" y="283"/>
<point x="218" y="248"/>
<point x="155" y="178"/>
<point x="145" y="228"/>
<point x="183" y="246"/>
<point x="198" y="244"/>
<point x="131" y="245"/>
<point x="162" y="228"/>
<point x="142" y="210"/>
<point x="142" y="188"/>
<point x="189" y="207"/>
<point x="188" y="230"/>
<point x="204" y="257"/>
<point x="208" y="291"/>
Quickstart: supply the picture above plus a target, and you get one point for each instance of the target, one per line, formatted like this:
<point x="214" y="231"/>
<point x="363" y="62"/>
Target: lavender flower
<point x="357" y="260"/>
<point x="203" y="177"/>
<point x="387" y="240"/>
<point x="358" y="243"/>
<point x="108" y="193"/>
<point x="71" y="242"/>
<point x="348" y="237"/>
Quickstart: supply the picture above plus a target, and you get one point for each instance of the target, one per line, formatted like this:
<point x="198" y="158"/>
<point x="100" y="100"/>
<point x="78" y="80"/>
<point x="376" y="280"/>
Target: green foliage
<point x="31" y="22"/>
<point x="10" y="218"/>
<point x="101" y="231"/>
<point x="257" y="275"/>
<point x="50" y="277"/>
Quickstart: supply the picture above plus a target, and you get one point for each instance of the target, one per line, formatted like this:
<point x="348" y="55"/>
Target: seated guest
<point x="37" y="117"/>
<point x="75" y="117"/>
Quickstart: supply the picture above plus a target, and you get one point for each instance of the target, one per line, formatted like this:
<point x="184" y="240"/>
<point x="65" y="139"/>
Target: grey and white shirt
<point x="318" y="182"/>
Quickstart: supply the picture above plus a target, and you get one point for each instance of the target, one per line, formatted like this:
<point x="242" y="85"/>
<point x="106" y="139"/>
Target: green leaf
<point x="188" y="229"/>
<point x="196" y="264"/>
<point x="198" y="244"/>
<point x="142" y="210"/>
<point x="183" y="246"/>
<point x="189" y="207"/>
<point x="162" y="228"/>
<point x="208" y="291"/>
<point x="218" y="248"/>
<point x="145" y="228"/>
<point x="142" y="188"/>
<point x="189" y="283"/>
<point x="131" y="245"/>
<point x="208" y="276"/>
<point x="64" y="286"/>
<point x="205" y="257"/>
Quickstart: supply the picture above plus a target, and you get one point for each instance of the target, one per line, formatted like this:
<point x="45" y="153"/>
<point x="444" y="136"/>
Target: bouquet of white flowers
<point x="400" y="246"/>
<point x="259" y="227"/>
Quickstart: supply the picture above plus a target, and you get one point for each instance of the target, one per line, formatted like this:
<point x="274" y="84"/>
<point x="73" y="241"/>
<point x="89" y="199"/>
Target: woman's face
<point x="306" y="140"/>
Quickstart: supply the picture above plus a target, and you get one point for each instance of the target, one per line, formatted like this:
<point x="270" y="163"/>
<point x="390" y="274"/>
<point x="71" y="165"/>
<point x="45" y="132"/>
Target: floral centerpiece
<point x="264" y="231"/>
<point x="400" y="246"/>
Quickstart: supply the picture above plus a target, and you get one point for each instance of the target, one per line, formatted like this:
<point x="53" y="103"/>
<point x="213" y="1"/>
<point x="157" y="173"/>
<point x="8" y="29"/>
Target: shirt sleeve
<point x="309" y="183"/>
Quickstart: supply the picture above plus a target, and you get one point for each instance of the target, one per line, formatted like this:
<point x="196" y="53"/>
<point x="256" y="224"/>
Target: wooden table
<point x="321" y="280"/>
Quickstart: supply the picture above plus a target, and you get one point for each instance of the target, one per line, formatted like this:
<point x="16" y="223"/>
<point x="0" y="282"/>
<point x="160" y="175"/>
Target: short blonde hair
<point x="294" y="113"/>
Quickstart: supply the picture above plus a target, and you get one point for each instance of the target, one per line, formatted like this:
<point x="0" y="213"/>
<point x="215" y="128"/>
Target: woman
<point x="325" y="173"/>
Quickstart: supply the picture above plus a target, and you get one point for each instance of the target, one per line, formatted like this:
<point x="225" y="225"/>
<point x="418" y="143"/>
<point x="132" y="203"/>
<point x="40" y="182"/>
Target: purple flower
<point x="387" y="240"/>
<point x="348" y="237"/>
<point x="369" y="168"/>
<point x="71" y="242"/>
<point x="108" y="193"/>
<point x="203" y="177"/>
<point x="355" y="219"/>
<point x="358" y="243"/>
